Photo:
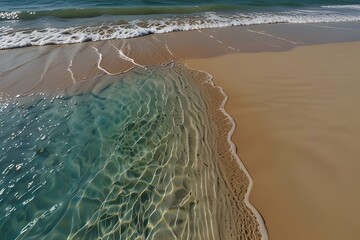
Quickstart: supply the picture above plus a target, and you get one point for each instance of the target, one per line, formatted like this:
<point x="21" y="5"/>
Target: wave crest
<point x="115" y="30"/>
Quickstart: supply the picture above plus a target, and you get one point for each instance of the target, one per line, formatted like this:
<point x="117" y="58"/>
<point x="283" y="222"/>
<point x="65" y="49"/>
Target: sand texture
<point x="297" y="132"/>
<point x="295" y="108"/>
<point x="155" y="160"/>
<point x="140" y="155"/>
<point x="59" y="66"/>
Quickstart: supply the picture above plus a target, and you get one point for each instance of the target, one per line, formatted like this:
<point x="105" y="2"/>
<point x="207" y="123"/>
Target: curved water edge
<point x="233" y="150"/>
<point x="197" y="197"/>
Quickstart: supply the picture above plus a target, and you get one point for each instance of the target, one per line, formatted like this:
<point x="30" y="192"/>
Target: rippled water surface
<point x="123" y="161"/>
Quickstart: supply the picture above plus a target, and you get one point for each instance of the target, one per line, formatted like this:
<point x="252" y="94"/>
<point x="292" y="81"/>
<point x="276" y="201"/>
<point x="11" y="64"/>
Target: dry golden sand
<point x="298" y="131"/>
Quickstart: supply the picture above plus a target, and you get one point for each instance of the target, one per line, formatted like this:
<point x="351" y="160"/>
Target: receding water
<point x="131" y="159"/>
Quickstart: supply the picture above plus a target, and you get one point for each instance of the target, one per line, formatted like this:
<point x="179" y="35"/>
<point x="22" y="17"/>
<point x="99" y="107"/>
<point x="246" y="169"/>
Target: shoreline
<point x="231" y="171"/>
<point x="214" y="52"/>
<point x="296" y="132"/>
<point x="59" y="66"/>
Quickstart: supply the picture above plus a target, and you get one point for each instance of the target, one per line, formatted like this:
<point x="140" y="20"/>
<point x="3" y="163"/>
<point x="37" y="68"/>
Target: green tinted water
<point x="124" y="161"/>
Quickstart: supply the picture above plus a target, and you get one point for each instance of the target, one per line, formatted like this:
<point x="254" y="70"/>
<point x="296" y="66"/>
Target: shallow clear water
<point x="123" y="161"/>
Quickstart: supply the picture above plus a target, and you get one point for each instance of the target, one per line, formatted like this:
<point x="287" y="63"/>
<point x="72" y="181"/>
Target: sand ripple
<point x="137" y="157"/>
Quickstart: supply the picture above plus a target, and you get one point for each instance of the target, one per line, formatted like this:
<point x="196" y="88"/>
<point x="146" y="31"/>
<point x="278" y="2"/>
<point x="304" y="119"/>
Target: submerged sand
<point x="297" y="133"/>
<point x="294" y="106"/>
<point x="212" y="201"/>
<point x="143" y="155"/>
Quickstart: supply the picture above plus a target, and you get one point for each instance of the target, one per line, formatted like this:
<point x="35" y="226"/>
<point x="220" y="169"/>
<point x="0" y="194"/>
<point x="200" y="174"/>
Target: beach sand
<point x="294" y="103"/>
<point x="297" y="133"/>
<point x="45" y="68"/>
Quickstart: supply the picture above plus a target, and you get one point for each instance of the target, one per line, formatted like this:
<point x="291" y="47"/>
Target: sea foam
<point x="9" y="38"/>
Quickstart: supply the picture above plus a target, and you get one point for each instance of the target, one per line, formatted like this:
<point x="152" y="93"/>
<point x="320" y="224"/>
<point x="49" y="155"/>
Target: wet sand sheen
<point x="57" y="68"/>
<point x="82" y="68"/>
<point x="144" y="154"/>
<point x="297" y="132"/>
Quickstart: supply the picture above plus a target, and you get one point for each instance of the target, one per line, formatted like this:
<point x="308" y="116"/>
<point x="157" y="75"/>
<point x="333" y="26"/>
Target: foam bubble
<point x="4" y="103"/>
<point x="10" y="15"/>
<point x="136" y="28"/>
<point x="352" y="7"/>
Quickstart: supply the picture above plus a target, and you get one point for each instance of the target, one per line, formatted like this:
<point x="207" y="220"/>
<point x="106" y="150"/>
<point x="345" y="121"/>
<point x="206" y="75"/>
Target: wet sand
<point x="297" y="133"/>
<point x="60" y="66"/>
<point x="294" y="106"/>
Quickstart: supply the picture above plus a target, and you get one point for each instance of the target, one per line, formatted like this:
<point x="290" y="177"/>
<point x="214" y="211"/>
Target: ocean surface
<point x="39" y="22"/>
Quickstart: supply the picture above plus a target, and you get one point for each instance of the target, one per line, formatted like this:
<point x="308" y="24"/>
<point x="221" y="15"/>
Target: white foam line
<point x="259" y="32"/>
<point x="219" y="41"/>
<point x="237" y="50"/>
<point x="168" y="49"/>
<point x="269" y="35"/>
<point x="43" y="74"/>
<point x="287" y="40"/>
<point x="99" y="61"/>
<point x="126" y="58"/>
<point x="242" y="166"/>
<point x="70" y="71"/>
<point x="260" y="220"/>
<point x="166" y="46"/>
<point x="349" y="6"/>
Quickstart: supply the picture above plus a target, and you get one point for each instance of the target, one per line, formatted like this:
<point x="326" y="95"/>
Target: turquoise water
<point x="40" y="22"/>
<point x="123" y="161"/>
